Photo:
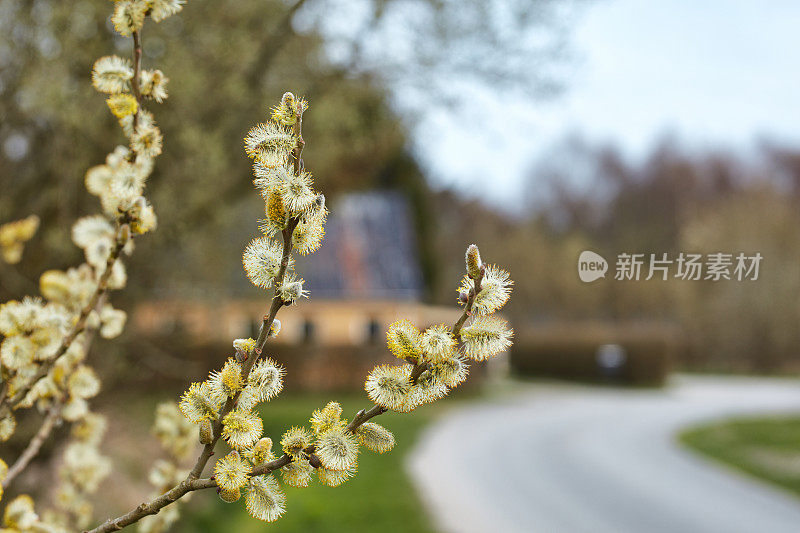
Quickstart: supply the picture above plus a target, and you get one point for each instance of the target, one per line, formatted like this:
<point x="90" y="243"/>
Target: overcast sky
<point x="711" y="72"/>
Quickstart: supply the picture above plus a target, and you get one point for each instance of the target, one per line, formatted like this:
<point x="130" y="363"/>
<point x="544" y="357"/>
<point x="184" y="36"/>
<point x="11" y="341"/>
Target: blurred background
<point x="535" y="128"/>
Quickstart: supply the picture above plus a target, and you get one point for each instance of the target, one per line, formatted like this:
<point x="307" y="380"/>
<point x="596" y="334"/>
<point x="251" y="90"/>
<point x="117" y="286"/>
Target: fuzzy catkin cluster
<point x="290" y="202"/>
<point x="436" y="359"/>
<point x="45" y="340"/>
<point x="294" y="221"/>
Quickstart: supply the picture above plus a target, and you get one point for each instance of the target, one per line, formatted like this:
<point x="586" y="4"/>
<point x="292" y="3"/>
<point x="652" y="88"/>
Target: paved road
<point x="561" y="459"/>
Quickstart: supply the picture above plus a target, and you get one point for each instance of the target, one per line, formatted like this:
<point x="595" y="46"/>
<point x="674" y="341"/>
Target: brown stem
<point x="362" y="416"/>
<point x="298" y="149"/>
<point x="137" y="68"/>
<point x="3" y="391"/>
<point x="80" y="326"/>
<point x="266" y="325"/>
<point x="271" y="466"/>
<point x="417" y="371"/>
<point x="101" y="287"/>
<point x="473" y="293"/>
<point x="189" y="485"/>
<point x="34" y="445"/>
<point x="178" y="491"/>
<point x="192" y="481"/>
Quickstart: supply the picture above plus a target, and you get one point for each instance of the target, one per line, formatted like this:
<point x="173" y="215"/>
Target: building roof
<point x="369" y="251"/>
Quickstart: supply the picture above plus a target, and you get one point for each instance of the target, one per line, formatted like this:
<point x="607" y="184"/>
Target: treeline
<point x="675" y="200"/>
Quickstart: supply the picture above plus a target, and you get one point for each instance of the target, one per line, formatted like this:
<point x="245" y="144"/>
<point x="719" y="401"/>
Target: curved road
<point x="570" y="459"/>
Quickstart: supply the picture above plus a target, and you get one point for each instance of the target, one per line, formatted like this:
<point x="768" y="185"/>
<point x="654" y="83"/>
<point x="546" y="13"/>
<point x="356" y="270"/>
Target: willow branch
<point x="80" y="325"/>
<point x="193" y="481"/>
<point x="419" y="368"/>
<point x="417" y="371"/>
<point x="3" y="391"/>
<point x="102" y="284"/>
<point x="269" y="467"/>
<point x="77" y="329"/>
<point x="473" y="293"/>
<point x="137" y="69"/>
<point x="192" y="484"/>
<point x="175" y="493"/>
<point x="34" y="445"/>
<point x="189" y="485"/>
<point x="266" y="325"/>
<point x="362" y="416"/>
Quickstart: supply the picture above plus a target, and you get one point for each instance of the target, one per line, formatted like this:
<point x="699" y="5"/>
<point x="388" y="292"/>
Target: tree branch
<point x="193" y="481"/>
<point x="419" y="368"/>
<point x="190" y="485"/>
<point x="34" y="445"/>
<point x="80" y="325"/>
<point x="266" y="325"/>
<point x="473" y="293"/>
<point x="77" y="329"/>
<point x="175" y="493"/>
<point x="362" y="416"/>
<point x="137" y="69"/>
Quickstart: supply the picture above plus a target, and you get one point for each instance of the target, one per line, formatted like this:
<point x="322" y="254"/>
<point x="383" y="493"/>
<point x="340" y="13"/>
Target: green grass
<point x="379" y="498"/>
<point x="765" y="447"/>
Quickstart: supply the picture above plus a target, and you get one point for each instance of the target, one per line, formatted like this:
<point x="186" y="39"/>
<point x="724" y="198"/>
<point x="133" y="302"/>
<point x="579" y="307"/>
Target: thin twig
<point x="137" y="69"/>
<point x="473" y="293"/>
<point x="417" y="371"/>
<point x="266" y="325"/>
<point x="362" y="416"/>
<point x="178" y="491"/>
<point x="80" y="325"/>
<point x="277" y="303"/>
<point x="35" y="444"/>
<point x="190" y="485"/>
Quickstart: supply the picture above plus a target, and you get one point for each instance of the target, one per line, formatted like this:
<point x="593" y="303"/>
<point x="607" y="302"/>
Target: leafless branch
<point x="193" y="481"/>
<point x="77" y="329"/>
<point x="35" y="444"/>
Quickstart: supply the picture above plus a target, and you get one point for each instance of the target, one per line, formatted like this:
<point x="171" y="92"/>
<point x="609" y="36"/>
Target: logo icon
<point x="591" y="266"/>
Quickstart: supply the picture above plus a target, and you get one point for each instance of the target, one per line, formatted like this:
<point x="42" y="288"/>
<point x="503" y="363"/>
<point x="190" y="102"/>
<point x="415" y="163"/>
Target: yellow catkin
<point x="122" y="105"/>
<point x="276" y="213"/>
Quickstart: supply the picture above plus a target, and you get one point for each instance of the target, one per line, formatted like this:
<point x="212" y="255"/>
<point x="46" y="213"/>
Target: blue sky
<point x="711" y="73"/>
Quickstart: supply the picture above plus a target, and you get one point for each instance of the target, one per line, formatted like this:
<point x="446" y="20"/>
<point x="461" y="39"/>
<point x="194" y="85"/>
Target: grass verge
<point x="766" y="447"/>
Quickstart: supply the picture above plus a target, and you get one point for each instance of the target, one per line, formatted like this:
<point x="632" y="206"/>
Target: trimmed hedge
<point x="572" y="352"/>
